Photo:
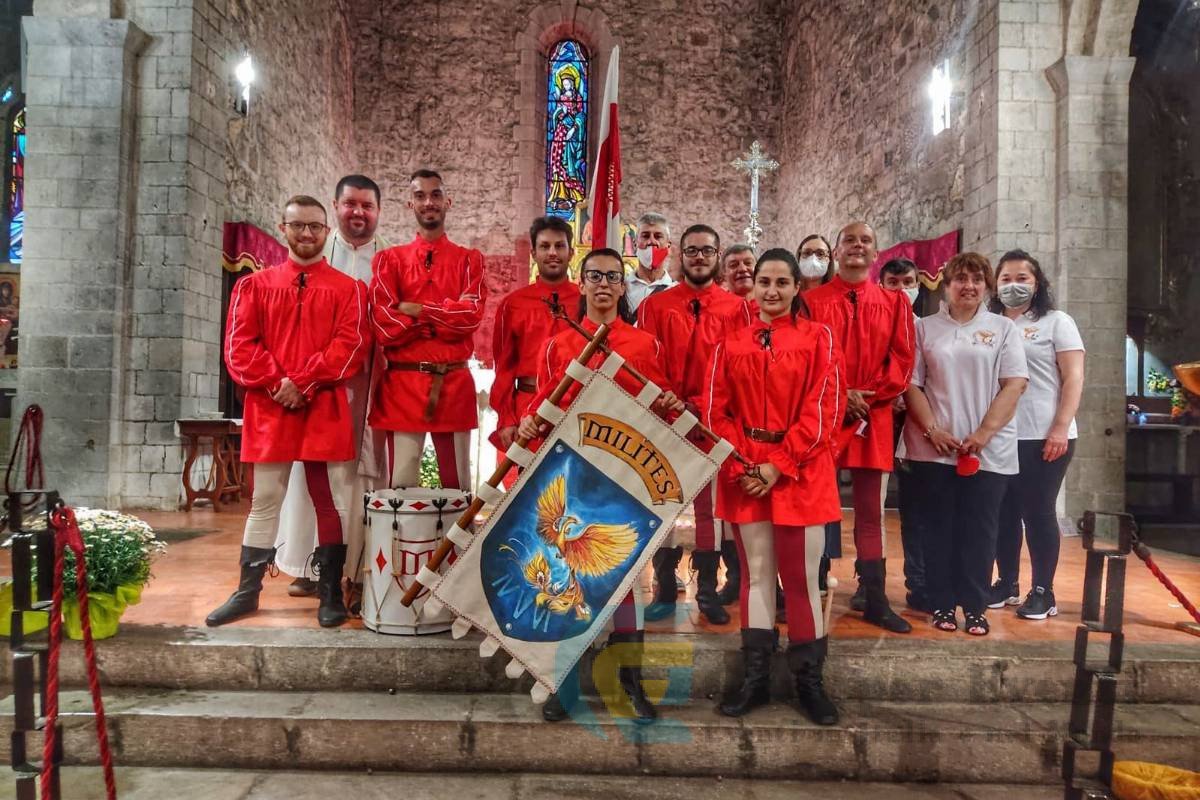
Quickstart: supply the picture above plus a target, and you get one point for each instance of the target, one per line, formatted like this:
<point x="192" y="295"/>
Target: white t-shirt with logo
<point x="1044" y="339"/>
<point x="960" y="367"/>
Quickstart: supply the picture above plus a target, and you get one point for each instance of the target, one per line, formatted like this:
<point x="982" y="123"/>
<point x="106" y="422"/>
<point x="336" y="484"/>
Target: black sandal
<point x="945" y="621"/>
<point x="975" y="624"/>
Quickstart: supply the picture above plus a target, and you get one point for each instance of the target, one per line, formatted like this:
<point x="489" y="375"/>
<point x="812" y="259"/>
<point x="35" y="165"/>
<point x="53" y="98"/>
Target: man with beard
<point x="526" y="319"/>
<point x="349" y="249"/>
<point x="691" y="319"/>
<point x="874" y="328"/>
<point x="296" y="333"/>
<point x="427" y="301"/>
<point x="653" y="251"/>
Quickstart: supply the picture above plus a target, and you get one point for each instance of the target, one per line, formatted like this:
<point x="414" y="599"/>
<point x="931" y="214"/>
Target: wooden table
<point x="227" y="479"/>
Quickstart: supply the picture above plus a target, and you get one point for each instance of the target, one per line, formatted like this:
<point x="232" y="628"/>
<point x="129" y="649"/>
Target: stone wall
<point x="439" y="84"/>
<point x="856" y="135"/>
<point x="299" y="135"/>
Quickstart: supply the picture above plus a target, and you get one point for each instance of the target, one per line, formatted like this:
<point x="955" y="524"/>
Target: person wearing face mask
<point x="295" y="334"/>
<point x="653" y="252"/>
<point x="961" y="439"/>
<point x="874" y="329"/>
<point x="1045" y="432"/>
<point x="775" y="396"/>
<point x="900" y="275"/>
<point x="528" y="317"/>
<point x="689" y="319"/>
<point x="603" y="303"/>
<point x="349" y="249"/>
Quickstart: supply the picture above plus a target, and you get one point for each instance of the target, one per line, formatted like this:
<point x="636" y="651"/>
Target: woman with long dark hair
<point x="775" y="395"/>
<point x="1045" y="432"/>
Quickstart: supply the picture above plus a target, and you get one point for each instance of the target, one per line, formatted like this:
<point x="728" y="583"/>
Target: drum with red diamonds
<point x="404" y="527"/>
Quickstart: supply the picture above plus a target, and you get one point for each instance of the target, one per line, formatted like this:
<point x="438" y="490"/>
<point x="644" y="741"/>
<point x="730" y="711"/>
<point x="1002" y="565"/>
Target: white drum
<point x="404" y="527"/>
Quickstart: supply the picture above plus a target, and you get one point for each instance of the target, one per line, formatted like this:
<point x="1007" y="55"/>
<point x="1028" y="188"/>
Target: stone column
<point x="1091" y="222"/>
<point x="79" y="94"/>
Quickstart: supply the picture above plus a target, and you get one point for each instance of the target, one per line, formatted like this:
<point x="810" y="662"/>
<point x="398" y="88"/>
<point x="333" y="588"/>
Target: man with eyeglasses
<point x="653" y="253"/>
<point x="295" y="334"/>
<point x="874" y="329"/>
<point x="528" y="317"/>
<point x="427" y="300"/>
<point x="349" y="249"/>
<point x="690" y="319"/>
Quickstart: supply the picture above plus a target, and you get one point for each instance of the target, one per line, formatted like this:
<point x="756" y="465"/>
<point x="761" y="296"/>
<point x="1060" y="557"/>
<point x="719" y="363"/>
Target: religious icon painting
<point x="564" y="547"/>
<point x="567" y="89"/>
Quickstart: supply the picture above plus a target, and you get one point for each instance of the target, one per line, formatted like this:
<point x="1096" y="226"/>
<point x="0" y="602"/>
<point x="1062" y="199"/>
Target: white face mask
<point x="813" y="267"/>
<point x="1015" y="295"/>
<point x="911" y="293"/>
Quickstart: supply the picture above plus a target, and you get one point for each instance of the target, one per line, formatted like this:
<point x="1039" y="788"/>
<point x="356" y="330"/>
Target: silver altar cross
<point x="755" y="162"/>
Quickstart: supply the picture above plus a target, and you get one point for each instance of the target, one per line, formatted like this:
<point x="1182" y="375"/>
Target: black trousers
<point x="911" y="538"/>
<point x="960" y="517"/>
<point x="1031" y="499"/>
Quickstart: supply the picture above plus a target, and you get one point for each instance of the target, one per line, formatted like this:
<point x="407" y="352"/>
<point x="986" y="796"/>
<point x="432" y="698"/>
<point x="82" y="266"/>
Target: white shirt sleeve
<point x="918" y="373"/>
<point x="1066" y="334"/>
<point x="1012" y="353"/>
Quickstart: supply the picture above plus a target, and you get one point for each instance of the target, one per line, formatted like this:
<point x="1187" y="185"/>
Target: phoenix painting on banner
<point x="567" y="544"/>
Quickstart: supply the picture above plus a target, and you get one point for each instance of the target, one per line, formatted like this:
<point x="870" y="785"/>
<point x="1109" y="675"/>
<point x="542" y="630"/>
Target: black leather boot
<point x="244" y="600"/>
<point x="665" y="561"/>
<point x="858" y="600"/>
<point x="706" y="562"/>
<point x="758" y="645"/>
<point x="878" y="611"/>
<point x="807" y="662"/>
<point x="635" y="704"/>
<point x="559" y="705"/>
<point x="328" y="561"/>
<point x="731" y="591"/>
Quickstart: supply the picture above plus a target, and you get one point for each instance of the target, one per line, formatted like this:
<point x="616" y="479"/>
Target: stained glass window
<point x="14" y="197"/>
<point x="567" y="88"/>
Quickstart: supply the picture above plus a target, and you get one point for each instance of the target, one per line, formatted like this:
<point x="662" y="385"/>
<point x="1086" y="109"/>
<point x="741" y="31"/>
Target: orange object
<point x="1140" y="780"/>
<point x="1189" y="376"/>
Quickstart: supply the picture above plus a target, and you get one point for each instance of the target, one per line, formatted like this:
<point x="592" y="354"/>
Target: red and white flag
<point x="604" y="200"/>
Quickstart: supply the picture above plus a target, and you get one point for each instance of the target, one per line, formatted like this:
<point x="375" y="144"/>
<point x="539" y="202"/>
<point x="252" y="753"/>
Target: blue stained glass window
<point x="567" y="88"/>
<point x="14" y="196"/>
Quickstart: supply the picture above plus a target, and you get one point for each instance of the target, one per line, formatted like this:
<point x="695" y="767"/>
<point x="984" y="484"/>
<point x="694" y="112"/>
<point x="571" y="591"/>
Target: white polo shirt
<point x="638" y="289"/>
<point x="960" y="367"/>
<point x="1044" y="339"/>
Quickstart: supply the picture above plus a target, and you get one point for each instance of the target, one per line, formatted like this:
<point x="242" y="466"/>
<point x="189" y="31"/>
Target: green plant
<point x="119" y="550"/>
<point x="430" y="477"/>
<point x="1157" y="382"/>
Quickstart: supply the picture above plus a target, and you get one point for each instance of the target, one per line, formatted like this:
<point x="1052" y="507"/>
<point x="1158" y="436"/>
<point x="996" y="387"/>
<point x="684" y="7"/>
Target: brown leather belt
<point x="764" y="435"/>
<point x="527" y="385"/>
<point x="438" y="370"/>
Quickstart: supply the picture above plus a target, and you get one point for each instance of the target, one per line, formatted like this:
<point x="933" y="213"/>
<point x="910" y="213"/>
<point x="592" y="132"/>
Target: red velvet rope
<point x="29" y="435"/>
<point x="1143" y="553"/>
<point x="67" y="535"/>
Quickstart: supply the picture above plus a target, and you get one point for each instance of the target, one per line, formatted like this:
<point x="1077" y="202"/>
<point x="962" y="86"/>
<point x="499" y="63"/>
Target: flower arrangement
<point x="119" y="551"/>
<point x="430" y="478"/>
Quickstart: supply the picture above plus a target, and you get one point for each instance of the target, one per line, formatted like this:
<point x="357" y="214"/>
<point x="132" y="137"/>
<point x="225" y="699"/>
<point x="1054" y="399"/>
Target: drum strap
<point x="438" y="370"/>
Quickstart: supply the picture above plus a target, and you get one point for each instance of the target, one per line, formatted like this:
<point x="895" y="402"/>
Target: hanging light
<point x="244" y="74"/>
<point x="940" y="89"/>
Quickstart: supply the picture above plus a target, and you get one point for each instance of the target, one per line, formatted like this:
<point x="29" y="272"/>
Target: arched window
<point x="567" y="89"/>
<point x="14" y="175"/>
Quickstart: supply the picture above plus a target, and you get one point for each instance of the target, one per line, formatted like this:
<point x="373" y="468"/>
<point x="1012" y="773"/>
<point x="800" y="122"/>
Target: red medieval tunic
<point x="785" y="381"/>
<point x="690" y="323"/>
<point x="447" y="280"/>
<point x="639" y="349"/>
<point x="307" y="323"/>
<point x="874" y="330"/>
<point x="524" y="323"/>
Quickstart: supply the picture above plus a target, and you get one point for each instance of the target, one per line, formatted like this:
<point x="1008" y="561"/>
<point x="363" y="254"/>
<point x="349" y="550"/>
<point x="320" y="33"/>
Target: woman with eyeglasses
<point x="775" y="395"/>
<point x="602" y="276"/>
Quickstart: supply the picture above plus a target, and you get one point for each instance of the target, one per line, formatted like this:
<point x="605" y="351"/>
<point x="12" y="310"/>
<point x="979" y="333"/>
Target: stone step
<point x="331" y="730"/>
<point x="136" y="783"/>
<point x="896" y="668"/>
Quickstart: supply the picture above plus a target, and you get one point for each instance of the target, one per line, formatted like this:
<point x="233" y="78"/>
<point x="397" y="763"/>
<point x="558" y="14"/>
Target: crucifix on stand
<point x="756" y="162"/>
